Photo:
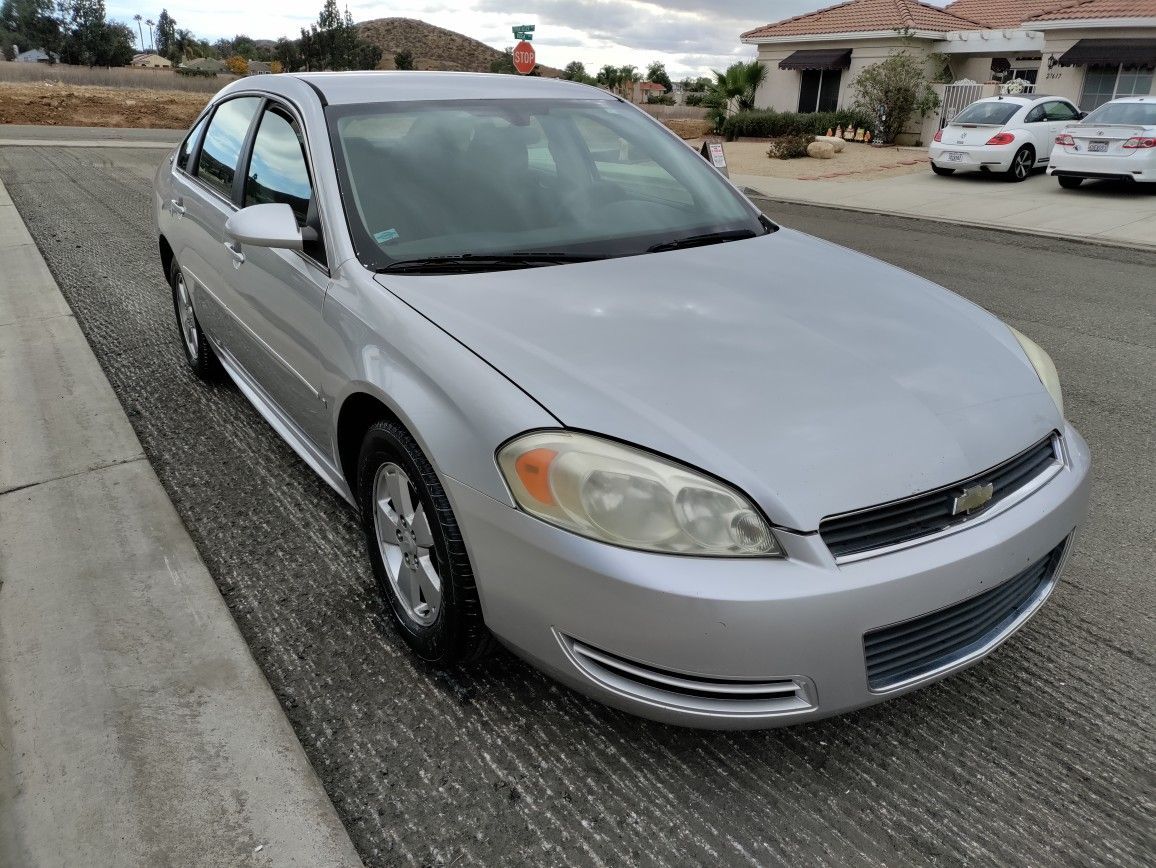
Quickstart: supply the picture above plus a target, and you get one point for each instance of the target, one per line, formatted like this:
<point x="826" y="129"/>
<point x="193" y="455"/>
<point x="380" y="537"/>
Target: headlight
<point x="616" y="494"/>
<point x="1045" y="367"/>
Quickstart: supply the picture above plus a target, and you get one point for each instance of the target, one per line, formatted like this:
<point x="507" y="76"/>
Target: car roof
<point x="1021" y="98"/>
<point x="1133" y="99"/>
<point x="342" y="88"/>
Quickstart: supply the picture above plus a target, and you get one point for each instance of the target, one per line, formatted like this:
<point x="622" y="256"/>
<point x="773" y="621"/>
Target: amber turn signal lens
<point x="533" y="469"/>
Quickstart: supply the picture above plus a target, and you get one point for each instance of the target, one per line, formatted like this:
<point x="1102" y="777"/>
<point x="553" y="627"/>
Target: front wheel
<point x="1022" y="164"/>
<point x="940" y="170"/>
<point x="415" y="546"/>
<point x="1069" y="183"/>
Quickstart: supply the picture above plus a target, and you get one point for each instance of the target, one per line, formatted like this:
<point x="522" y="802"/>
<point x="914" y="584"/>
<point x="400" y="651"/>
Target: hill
<point x="432" y="47"/>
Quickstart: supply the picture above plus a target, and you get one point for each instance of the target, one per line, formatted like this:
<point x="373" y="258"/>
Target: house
<point x="1089" y="51"/>
<point x="151" y="61"/>
<point x="205" y="65"/>
<point x="35" y="55"/>
<point x="259" y="67"/>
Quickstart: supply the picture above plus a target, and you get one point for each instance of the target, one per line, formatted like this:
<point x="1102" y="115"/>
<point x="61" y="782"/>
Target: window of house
<point x="1105" y="83"/>
<point x="819" y="90"/>
<point x="217" y="164"/>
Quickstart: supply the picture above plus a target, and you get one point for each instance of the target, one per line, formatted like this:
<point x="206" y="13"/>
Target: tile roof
<point x="1005" y="13"/>
<point x="1090" y="9"/>
<point x="863" y="15"/>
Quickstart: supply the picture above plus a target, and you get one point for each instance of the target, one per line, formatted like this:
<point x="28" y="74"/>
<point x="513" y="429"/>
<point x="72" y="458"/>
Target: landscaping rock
<point x="838" y="144"/>
<point x="821" y="150"/>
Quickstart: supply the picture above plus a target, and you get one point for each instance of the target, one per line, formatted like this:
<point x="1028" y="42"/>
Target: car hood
<point x="816" y="379"/>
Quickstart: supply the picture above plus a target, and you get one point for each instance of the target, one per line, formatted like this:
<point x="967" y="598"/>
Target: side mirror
<point x="1082" y="115"/>
<point x="270" y="225"/>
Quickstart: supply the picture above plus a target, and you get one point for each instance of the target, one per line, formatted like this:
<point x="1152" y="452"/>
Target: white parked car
<point x="1010" y="134"/>
<point x="1116" y="141"/>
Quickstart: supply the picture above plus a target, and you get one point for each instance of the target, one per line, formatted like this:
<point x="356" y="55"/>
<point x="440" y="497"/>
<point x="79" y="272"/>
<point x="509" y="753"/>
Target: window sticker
<point x="385" y="235"/>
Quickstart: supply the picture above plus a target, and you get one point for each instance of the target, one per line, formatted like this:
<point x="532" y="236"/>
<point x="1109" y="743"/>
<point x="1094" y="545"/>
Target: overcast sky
<point x="690" y="36"/>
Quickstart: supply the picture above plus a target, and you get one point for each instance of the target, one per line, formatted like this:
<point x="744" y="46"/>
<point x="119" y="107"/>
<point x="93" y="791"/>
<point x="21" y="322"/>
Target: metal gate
<point x="957" y="97"/>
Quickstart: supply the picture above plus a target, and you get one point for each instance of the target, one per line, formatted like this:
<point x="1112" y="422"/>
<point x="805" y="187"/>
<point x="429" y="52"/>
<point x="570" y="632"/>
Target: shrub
<point x="660" y="99"/>
<point x="790" y="147"/>
<point x="695" y="99"/>
<point x="204" y="73"/>
<point x="896" y="88"/>
<point x="772" y="124"/>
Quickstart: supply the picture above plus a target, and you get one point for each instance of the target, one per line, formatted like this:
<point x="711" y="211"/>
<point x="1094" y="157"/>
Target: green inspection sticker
<point x="385" y="235"/>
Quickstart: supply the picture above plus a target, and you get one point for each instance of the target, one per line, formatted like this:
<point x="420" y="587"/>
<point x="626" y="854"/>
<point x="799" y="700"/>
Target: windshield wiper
<point x="483" y="262"/>
<point x="703" y="240"/>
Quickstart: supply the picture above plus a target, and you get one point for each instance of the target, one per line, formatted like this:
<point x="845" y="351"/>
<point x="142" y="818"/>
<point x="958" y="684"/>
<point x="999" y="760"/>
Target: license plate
<point x="1097" y="146"/>
<point x="954" y="156"/>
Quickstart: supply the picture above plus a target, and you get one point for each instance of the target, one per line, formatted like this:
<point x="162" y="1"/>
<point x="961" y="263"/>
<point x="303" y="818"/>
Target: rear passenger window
<point x="221" y="151"/>
<point x="277" y="170"/>
<point x="1061" y="111"/>
<point x="189" y="143"/>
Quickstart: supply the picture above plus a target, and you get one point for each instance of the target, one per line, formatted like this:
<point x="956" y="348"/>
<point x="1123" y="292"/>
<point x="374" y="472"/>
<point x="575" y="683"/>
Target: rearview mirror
<point x="270" y="225"/>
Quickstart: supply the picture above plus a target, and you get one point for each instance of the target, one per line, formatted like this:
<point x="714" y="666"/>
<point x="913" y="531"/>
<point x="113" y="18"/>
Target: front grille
<point x="910" y="649"/>
<point x="690" y="692"/>
<point x="904" y="520"/>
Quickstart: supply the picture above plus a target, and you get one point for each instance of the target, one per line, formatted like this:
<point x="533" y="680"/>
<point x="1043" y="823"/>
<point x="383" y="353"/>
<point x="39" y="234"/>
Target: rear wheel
<point x="416" y="549"/>
<point x="1069" y="183"/>
<point x="940" y="170"/>
<point x="198" y="353"/>
<point x="1022" y="164"/>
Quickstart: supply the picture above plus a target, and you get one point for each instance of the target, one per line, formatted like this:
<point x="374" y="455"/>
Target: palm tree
<point x="184" y="43"/>
<point x="151" y="24"/>
<point x="138" y="18"/>
<point x="738" y="85"/>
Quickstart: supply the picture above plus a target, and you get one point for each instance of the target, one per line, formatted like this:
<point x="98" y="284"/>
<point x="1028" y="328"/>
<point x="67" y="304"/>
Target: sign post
<point x="713" y="153"/>
<point x="524" y="58"/>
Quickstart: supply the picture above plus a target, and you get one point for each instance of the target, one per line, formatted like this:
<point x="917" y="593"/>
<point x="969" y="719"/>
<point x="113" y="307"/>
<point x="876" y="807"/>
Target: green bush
<point x="790" y="147"/>
<point x="772" y="124"/>
<point x="205" y="73"/>
<point x="660" y="99"/>
<point x="695" y="99"/>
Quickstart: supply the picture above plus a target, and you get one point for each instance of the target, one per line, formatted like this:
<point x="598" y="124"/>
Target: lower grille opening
<point x="690" y="692"/>
<point x="911" y="649"/>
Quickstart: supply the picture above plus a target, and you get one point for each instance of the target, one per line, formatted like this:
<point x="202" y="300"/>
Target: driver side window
<point x="1035" y="115"/>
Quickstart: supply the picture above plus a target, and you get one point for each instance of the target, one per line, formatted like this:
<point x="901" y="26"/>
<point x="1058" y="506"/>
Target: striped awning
<point x="1111" y="52"/>
<point x="818" y="58"/>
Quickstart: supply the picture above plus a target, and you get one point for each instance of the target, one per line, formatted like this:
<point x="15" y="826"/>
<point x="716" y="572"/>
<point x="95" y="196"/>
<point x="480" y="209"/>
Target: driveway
<point x="1039" y="756"/>
<point x="1102" y="211"/>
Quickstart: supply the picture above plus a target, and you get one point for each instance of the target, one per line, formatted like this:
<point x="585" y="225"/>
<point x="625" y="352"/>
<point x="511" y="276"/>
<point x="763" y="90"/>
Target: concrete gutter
<point x="135" y="726"/>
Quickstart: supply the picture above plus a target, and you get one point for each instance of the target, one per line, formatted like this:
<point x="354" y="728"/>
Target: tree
<point x="287" y="54"/>
<point x="893" y="90"/>
<point x="149" y="23"/>
<point x="656" y="72"/>
<point x="333" y="42"/>
<point x="576" y="71"/>
<point x="30" y="24"/>
<point x="184" y="46"/>
<point x="609" y="77"/>
<point x="275" y="67"/>
<point x="237" y="65"/>
<point x="737" y="86"/>
<point x="403" y="59"/>
<point x="138" y="18"/>
<point x="166" y="35"/>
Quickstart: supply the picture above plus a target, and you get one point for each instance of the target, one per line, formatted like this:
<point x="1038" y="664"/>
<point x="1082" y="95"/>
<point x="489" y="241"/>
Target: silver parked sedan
<point x="589" y="401"/>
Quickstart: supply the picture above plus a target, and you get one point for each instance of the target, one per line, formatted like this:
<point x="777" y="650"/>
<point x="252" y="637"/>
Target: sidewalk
<point x="1097" y="211"/>
<point x="135" y="726"/>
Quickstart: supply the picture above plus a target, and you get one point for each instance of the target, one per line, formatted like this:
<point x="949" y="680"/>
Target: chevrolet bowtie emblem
<point x="972" y="498"/>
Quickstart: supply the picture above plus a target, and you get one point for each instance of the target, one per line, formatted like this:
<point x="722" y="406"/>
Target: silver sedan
<point x="588" y="401"/>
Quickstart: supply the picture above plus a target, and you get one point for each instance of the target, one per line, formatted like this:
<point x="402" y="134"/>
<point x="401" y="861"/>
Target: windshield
<point x="575" y="179"/>
<point x="987" y="113"/>
<point x="1141" y="114"/>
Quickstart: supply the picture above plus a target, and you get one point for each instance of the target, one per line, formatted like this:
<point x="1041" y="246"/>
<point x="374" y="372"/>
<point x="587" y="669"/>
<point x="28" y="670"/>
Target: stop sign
<point x="524" y="59"/>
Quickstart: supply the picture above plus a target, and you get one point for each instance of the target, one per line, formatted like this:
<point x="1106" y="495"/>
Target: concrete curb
<point x="135" y="726"/>
<point x="973" y="224"/>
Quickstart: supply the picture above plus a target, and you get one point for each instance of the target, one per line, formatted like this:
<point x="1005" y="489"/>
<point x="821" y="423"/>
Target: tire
<point x="198" y="353"/>
<point x="1069" y="183"/>
<point x="440" y="620"/>
<point x="1022" y="164"/>
<point x="940" y="170"/>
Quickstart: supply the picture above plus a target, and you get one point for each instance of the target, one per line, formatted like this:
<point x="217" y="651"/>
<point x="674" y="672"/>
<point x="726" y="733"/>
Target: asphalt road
<point x="1041" y="755"/>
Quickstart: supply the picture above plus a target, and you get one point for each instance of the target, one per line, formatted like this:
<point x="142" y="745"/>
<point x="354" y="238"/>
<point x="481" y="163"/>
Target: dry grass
<point x="73" y="105"/>
<point x="117" y="76"/>
<point x="670" y="112"/>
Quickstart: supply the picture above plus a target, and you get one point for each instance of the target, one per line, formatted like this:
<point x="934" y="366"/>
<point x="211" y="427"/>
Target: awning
<point x="818" y="58"/>
<point x="1111" y="52"/>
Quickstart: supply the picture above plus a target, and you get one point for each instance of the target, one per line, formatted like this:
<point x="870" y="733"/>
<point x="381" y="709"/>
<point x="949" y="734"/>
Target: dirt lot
<point x="59" y="104"/>
<point x="858" y="161"/>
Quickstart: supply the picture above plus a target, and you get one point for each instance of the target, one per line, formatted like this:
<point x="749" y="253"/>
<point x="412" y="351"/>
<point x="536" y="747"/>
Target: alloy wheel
<point x="406" y="543"/>
<point x="1022" y="165"/>
<point x="187" y="317"/>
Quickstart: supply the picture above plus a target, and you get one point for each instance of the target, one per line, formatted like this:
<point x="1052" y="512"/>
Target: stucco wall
<point x="1068" y="81"/>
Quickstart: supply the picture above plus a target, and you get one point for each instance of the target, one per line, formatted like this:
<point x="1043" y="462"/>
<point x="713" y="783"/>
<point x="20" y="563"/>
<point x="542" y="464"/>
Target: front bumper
<point x="1139" y="167"/>
<point x="994" y="158"/>
<point x="568" y="605"/>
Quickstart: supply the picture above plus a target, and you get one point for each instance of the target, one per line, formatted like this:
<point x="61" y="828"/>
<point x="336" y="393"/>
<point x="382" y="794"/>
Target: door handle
<point x="177" y="206"/>
<point x="235" y="251"/>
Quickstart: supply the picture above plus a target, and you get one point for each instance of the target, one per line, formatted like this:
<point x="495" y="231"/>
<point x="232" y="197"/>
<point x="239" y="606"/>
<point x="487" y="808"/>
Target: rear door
<point x="203" y="196"/>
<point x="280" y="292"/>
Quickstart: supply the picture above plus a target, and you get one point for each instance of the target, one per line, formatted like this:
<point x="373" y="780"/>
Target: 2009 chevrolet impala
<point x="589" y="401"/>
